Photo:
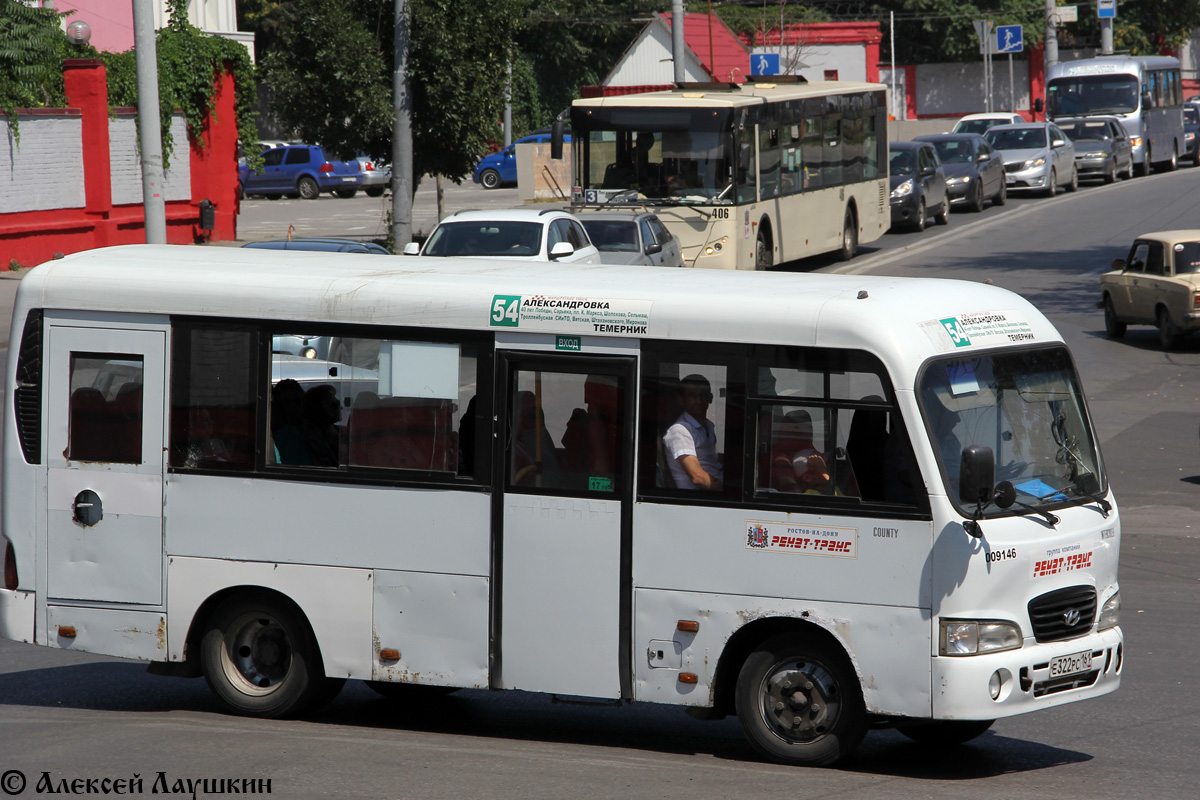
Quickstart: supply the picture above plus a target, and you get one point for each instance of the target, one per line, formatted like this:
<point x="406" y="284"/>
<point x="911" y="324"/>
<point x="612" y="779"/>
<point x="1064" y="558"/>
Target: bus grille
<point x="1063" y="614"/>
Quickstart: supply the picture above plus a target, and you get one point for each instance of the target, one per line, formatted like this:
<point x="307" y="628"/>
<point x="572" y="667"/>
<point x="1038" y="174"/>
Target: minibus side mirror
<point x="976" y="474"/>
<point x="556" y="138"/>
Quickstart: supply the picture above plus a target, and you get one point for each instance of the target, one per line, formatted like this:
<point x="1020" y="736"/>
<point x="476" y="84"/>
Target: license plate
<point x="347" y="180"/>
<point x="1069" y="665"/>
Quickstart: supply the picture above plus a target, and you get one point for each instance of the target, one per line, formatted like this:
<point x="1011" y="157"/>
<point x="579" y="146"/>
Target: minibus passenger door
<point x="561" y="569"/>
<point x="104" y="429"/>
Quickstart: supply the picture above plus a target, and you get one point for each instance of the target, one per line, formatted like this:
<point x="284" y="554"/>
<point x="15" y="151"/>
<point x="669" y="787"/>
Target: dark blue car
<point x="500" y="168"/>
<point x="300" y="170"/>
<point x="325" y="245"/>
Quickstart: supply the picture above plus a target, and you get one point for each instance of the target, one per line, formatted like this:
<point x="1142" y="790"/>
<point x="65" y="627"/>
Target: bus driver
<point x="691" y="443"/>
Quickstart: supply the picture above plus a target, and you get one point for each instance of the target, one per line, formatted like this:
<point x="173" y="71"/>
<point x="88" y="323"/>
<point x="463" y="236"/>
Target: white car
<point x="525" y="233"/>
<point x="979" y="123"/>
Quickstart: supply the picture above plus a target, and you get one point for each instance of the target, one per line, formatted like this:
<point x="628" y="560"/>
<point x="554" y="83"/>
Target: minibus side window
<point x="692" y="418"/>
<point x="213" y="406"/>
<point x="106" y="408"/>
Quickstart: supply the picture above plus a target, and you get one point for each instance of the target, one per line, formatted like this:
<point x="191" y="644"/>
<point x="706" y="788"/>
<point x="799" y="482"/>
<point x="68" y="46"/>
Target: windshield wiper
<point x="1105" y="506"/>
<point x="1006" y="496"/>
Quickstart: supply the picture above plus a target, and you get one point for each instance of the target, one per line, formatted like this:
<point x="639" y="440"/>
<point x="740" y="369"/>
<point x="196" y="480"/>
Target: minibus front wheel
<point x="260" y="658"/>
<point x="799" y="701"/>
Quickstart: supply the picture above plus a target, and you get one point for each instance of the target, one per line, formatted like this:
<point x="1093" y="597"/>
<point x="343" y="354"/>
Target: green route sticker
<point x="957" y="335"/>
<point x="506" y="310"/>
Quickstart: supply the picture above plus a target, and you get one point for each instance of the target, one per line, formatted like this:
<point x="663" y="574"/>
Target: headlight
<point x="1095" y="156"/>
<point x="1037" y="162"/>
<point x="1135" y="141"/>
<point x="903" y="190"/>
<point x="1110" y="613"/>
<point x="1189" y="136"/>
<point x="970" y="637"/>
<point x="956" y="181"/>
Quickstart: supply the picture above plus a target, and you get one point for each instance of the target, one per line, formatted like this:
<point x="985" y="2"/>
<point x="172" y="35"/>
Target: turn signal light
<point x="10" y="567"/>
<point x="687" y="626"/>
<point x="66" y="631"/>
<point x="388" y="654"/>
<point x="687" y="677"/>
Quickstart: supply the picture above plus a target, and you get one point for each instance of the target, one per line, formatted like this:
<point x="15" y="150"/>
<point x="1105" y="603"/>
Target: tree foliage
<point x="32" y="49"/>
<point x="188" y="62"/>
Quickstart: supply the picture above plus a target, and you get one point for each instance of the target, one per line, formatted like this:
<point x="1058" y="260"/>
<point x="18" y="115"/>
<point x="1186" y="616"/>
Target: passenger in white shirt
<point x="691" y="443"/>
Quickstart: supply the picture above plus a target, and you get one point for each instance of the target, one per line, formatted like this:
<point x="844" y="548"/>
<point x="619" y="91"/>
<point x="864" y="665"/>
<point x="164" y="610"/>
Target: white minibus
<point x="904" y="519"/>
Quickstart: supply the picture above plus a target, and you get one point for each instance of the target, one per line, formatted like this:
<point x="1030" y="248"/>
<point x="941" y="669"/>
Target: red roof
<point x="719" y="50"/>
<point x="811" y="33"/>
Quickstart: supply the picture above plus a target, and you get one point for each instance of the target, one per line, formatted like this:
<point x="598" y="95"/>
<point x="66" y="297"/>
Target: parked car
<point x="1158" y="284"/>
<point x="918" y="185"/>
<point x="1191" y="130"/>
<point x="523" y="233"/>
<point x="326" y="245"/>
<point x="632" y="237"/>
<point x="376" y="176"/>
<point x="1037" y="156"/>
<point x="980" y="123"/>
<point x="1102" y="147"/>
<point x="300" y="170"/>
<point x="500" y="168"/>
<point x="974" y="171"/>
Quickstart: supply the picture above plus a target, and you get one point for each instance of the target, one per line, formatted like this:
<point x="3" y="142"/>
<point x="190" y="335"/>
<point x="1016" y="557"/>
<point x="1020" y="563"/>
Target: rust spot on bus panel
<point x="162" y="633"/>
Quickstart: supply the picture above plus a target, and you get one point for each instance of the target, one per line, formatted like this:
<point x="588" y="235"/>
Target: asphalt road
<point x="80" y="716"/>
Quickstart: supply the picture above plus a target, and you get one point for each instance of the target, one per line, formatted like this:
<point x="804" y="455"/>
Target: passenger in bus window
<point x="322" y="412"/>
<point x="287" y="417"/>
<point x="691" y="443"/>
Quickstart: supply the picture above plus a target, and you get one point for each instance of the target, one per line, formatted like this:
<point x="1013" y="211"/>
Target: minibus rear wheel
<point x="799" y="701"/>
<point x="260" y="659"/>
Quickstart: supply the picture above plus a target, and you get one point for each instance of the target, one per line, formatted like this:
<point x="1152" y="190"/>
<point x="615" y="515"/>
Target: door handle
<point x="88" y="508"/>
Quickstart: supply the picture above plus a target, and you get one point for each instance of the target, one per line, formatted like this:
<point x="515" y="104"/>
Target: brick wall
<point x="126" y="161"/>
<point x="44" y="170"/>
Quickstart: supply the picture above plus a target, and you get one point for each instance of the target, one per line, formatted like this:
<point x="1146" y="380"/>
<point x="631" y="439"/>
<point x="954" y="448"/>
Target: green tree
<point x="32" y="49"/>
<point x="333" y="82"/>
<point x="1142" y="27"/>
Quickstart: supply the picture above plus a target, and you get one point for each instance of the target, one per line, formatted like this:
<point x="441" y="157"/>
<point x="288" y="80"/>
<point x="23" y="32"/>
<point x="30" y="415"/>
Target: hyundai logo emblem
<point x="1071" y="617"/>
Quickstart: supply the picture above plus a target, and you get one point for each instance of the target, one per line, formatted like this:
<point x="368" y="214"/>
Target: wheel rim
<point x="256" y="654"/>
<point x="800" y="701"/>
<point x="490" y="180"/>
<point x="1053" y="182"/>
<point x="921" y="214"/>
<point x="308" y="189"/>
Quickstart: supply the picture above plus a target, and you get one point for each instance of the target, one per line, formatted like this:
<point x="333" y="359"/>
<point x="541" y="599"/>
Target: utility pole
<point x="1051" y="35"/>
<point x="145" y="57"/>
<point x="402" y="177"/>
<point x="677" y="51"/>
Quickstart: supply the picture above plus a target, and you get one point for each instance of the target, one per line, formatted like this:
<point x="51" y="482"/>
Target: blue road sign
<point x="1106" y="9"/>
<point x="764" y="63"/>
<point x="1009" y="39"/>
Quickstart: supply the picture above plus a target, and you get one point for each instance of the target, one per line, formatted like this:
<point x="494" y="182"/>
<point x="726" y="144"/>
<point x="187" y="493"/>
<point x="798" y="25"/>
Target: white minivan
<point x="527" y="234"/>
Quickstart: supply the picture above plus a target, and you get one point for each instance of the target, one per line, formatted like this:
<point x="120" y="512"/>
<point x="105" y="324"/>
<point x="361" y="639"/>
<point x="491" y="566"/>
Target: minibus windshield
<point x="1027" y="406"/>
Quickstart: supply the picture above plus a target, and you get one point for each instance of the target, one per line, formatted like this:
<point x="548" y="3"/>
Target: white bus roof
<point x="746" y="94"/>
<point x="902" y="320"/>
<point x="1111" y="65"/>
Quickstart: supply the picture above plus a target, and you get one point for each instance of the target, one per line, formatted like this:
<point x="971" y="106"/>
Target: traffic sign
<point x="1009" y="39"/>
<point x="764" y="63"/>
<point x="1106" y="9"/>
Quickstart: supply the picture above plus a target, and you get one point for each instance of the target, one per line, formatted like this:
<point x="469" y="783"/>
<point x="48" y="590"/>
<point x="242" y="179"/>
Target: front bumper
<point x="904" y="209"/>
<point x="1092" y="166"/>
<point x="1034" y="178"/>
<point x="16" y="615"/>
<point x="1026" y="683"/>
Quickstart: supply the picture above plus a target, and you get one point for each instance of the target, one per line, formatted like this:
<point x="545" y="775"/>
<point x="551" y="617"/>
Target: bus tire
<point x="799" y="701"/>
<point x="849" y="237"/>
<point x="762" y="252"/>
<point x="1147" y="162"/>
<point x="1113" y="327"/>
<point x="1173" y="163"/>
<point x="260" y="659"/>
<point x="946" y="733"/>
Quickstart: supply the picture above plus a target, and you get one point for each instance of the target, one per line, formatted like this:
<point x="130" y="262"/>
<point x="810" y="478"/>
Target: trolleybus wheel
<point x="849" y="237"/>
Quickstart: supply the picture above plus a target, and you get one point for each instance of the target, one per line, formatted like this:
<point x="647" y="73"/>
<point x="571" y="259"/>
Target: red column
<point x="1037" y="78"/>
<point x="85" y="83"/>
<point x="214" y="168"/>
